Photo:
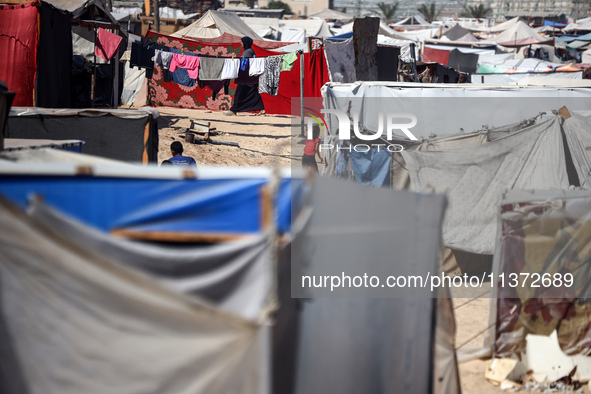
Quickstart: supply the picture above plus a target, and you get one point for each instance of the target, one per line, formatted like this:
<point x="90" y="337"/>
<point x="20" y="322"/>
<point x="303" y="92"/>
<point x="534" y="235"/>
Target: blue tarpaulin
<point x="557" y="24"/>
<point x="144" y="204"/>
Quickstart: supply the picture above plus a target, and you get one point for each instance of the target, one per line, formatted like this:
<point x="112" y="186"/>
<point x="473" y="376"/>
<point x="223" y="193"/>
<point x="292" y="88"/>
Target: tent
<point x="331" y="14"/>
<point x="519" y="34"/>
<point x="126" y="135"/>
<point x="414" y="20"/>
<point x="207" y="309"/>
<point x="214" y="24"/>
<point x="496" y="28"/>
<point x="458" y="33"/>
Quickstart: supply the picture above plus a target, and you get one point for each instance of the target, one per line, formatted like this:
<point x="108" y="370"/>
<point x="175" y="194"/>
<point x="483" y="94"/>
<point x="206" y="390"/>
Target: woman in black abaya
<point x="247" y="97"/>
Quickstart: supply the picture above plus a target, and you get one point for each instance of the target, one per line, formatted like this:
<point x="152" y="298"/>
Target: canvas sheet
<point x="236" y="277"/>
<point x="577" y="129"/>
<point x="547" y="232"/>
<point x="401" y="230"/>
<point x="474" y="179"/>
<point x="341" y="60"/>
<point x="83" y="323"/>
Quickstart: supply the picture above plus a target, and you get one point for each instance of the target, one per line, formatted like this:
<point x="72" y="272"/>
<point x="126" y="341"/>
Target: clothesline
<point x="188" y="68"/>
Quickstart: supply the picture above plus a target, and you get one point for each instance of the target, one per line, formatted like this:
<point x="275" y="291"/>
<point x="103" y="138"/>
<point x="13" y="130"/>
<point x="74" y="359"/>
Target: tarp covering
<point x="474" y="179"/>
<point x="458" y="33"/>
<point x="518" y="33"/>
<point x="516" y="78"/>
<point x="18" y="44"/>
<point x="126" y="135"/>
<point x="112" y="327"/>
<point x="382" y="336"/>
<point x="214" y="24"/>
<point x="577" y="129"/>
<point x="547" y="232"/>
<point x="236" y="277"/>
<point x="331" y="14"/>
<point x="139" y="199"/>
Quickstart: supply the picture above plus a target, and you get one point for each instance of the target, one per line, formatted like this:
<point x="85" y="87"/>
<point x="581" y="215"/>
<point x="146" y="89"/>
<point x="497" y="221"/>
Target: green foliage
<point x="430" y="11"/>
<point x="278" y="5"/>
<point x="388" y="10"/>
<point x="479" y="11"/>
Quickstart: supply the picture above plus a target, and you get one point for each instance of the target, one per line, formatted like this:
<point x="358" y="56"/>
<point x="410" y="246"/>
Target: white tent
<point x="331" y="14"/>
<point x="214" y="24"/>
<point x="270" y="27"/>
<point x="581" y="24"/>
<point x="496" y="28"/>
<point x="415" y="20"/>
<point x="518" y="31"/>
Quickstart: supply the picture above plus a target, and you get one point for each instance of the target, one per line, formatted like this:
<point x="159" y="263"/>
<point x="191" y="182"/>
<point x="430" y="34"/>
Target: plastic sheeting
<point x="547" y="232"/>
<point x="341" y="60"/>
<point x="133" y="82"/>
<point x="112" y="328"/>
<point x="474" y="179"/>
<point x="236" y="277"/>
<point x="145" y="200"/>
<point x="384" y="330"/>
<point x="506" y="79"/>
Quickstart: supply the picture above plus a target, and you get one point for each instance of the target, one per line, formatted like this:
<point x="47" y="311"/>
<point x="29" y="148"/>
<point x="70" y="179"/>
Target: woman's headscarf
<point x="247" y="42"/>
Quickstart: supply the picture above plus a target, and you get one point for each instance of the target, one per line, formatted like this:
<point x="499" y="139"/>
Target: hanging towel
<point x="288" y="60"/>
<point x="230" y="69"/>
<point x="211" y="69"/>
<point x="243" y="64"/>
<point x="163" y="59"/>
<point x="256" y="67"/>
<point x="188" y="62"/>
<point x="269" y="80"/>
<point x="106" y="44"/>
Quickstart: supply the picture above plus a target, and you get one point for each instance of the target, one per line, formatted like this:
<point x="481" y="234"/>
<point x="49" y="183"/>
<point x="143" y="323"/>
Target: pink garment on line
<point x="107" y="44"/>
<point x="191" y="63"/>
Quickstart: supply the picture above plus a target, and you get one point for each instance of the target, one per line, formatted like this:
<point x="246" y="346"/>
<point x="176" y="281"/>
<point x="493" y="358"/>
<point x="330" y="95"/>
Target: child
<point x="312" y="148"/>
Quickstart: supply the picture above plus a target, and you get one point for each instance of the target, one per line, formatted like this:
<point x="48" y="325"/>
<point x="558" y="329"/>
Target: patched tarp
<point x="548" y="233"/>
<point x="475" y="177"/>
<point x="76" y="321"/>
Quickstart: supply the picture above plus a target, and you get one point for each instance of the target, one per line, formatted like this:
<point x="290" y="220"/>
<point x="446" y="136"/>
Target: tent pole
<point x="93" y="83"/>
<point x="302" y="133"/>
<point x="116" y="80"/>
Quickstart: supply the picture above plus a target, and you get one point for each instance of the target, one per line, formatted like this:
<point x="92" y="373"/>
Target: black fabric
<point x="215" y="86"/>
<point x="446" y="74"/>
<point x="245" y="79"/>
<point x="247" y="98"/>
<point x="387" y="59"/>
<point x="54" y="58"/>
<point x="309" y="162"/>
<point x="142" y="54"/>
<point x="464" y="62"/>
<point x="106" y="136"/>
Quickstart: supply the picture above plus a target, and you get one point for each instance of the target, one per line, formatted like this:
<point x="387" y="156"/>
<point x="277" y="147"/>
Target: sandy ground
<point x="266" y="141"/>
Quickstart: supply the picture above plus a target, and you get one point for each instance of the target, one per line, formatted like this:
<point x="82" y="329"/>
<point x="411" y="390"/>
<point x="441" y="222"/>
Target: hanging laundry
<point x="269" y="80"/>
<point x="142" y="54"/>
<point x="243" y="64"/>
<point x="106" y="44"/>
<point x="215" y="86"/>
<point x="256" y="66"/>
<point x="186" y="61"/>
<point x="211" y="68"/>
<point x="230" y="70"/>
<point x="288" y="60"/>
<point x="180" y="75"/>
<point x="163" y="59"/>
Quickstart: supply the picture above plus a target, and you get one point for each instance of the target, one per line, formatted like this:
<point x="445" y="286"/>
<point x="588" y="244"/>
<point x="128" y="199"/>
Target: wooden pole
<point x="302" y="132"/>
<point x="365" y="42"/>
<point x="156" y="16"/>
<point x="93" y="82"/>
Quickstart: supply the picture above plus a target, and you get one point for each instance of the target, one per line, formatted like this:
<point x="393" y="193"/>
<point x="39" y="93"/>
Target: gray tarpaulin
<point x="577" y="129"/>
<point x="371" y="345"/>
<point x="81" y="322"/>
<point x="236" y="277"/>
<point x="475" y="177"/>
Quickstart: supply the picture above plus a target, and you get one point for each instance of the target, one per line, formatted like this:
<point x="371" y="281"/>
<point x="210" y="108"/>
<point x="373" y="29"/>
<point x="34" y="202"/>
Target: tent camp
<point x="207" y="308"/>
<point x="214" y="24"/>
<point x="126" y="135"/>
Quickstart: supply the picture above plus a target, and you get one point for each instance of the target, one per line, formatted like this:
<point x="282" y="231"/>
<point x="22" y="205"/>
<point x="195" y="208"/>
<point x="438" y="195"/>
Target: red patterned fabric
<point x="435" y="55"/>
<point x="170" y="94"/>
<point x="18" y="46"/>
